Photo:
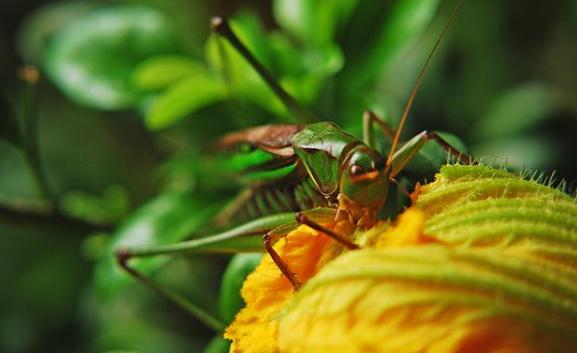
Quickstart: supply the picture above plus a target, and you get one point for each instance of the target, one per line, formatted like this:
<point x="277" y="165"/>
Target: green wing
<point x="321" y="148"/>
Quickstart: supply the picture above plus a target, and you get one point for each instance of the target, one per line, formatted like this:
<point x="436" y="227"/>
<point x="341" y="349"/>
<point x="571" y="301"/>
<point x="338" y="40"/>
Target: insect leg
<point x="369" y="119"/>
<point x="272" y="237"/>
<point x="242" y="238"/>
<point x="312" y="218"/>
<point x="404" y="155"/>
<point x="245" y="237"/>
<point x="401" y="187"/>
<point x="193" y="309"/>
<point x="321" y="214"/>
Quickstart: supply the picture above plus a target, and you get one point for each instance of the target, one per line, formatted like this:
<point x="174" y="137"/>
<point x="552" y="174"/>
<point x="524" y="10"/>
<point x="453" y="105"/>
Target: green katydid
<point x="321" y="172"/>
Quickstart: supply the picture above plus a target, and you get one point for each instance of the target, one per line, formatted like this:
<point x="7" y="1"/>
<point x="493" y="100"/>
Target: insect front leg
<point x="404" y="155"/>
<point x="312" y="218"/>
<point x="269" y="239"/>
<point x="369" y="120"/>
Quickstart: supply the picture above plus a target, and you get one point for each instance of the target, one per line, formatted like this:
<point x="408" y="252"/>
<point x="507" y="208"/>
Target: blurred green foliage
<point x="133" y="92"/>
<point x="92" y="58"/>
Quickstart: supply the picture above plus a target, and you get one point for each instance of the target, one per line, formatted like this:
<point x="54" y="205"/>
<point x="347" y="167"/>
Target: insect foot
<point x="485" y="260"/>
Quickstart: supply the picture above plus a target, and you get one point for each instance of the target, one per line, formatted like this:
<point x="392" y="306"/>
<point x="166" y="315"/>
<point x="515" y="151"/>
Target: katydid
<point x="329" y="175"/>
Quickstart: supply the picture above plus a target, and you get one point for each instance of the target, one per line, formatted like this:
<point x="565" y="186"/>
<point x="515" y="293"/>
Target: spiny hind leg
<point x="406" y="153"/>
<point x="226" y="241"/>
<point x="123" y="257"/>
<point x="369" y="120"/>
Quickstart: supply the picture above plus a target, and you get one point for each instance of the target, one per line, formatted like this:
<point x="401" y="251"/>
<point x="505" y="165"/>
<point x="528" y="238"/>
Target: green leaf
<point x="305" y="70"/>
<point x="95" y="246"/>
<point x="313" y="22"/>
<point x="110" y="207"/>
<point x="184" y="98"/>
<point x="217" y="345"/>
<point x="164" y="70"/>
<point x="42" y="24"/>
<point x="317" y="66"/>
<point x="170" y="217"/>
<point x="238" y="269"/>
<point x="517" y="110"/>
<point x="405" y="22"/>
<point x="92" y="59"/>
<point x="241" y="79"/>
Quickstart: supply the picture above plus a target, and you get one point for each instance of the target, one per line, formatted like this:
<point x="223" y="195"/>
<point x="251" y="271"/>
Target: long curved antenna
<point x="221" y="26"/>
<point x="424" y="70"/>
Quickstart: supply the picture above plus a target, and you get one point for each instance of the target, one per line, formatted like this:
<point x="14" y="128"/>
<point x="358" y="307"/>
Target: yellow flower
<point x="267" y="292"/>
<point x="430" y="299"/>
<point x="483" y="262"/>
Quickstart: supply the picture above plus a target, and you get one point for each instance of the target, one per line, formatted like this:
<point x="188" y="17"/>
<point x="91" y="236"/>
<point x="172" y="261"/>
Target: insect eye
<point x="357" y="169"/>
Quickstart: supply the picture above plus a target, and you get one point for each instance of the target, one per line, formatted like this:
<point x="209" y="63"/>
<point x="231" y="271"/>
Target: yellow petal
<point x="409" y="230"/>
<point x="266" y="291"/>
<point x="431" y="299"/>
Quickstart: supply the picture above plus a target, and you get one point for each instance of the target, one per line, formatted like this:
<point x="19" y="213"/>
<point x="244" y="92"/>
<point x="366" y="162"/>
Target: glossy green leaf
<point x="403" y="24"/>
<point x="169" y="218"/>
<point x="227" y="60"/>
<point x="37" y="29"/>
<point x="240" y="78"/>
<point x="92" y="59"/>
<point x="239" y="267"/>
<point x="516" y="110"/>
<point x="183" y="99"/>
<point x="300" y="71"/>
<point x="317" y="66"/>
<point x="164" y="70"/>
<point x="313" y="22"/>
<point x="305" y="70"/>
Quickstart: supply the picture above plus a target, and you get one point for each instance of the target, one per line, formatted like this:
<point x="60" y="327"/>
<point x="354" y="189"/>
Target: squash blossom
<point x="484" y="261"/>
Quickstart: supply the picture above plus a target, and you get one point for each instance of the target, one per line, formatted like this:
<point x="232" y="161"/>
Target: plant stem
<point x="30" y="76"/>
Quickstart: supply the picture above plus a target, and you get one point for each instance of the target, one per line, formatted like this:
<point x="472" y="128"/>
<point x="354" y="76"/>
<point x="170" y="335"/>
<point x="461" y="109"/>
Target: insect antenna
<point x="221" y="26"/>
<point x="417" y="85"/>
